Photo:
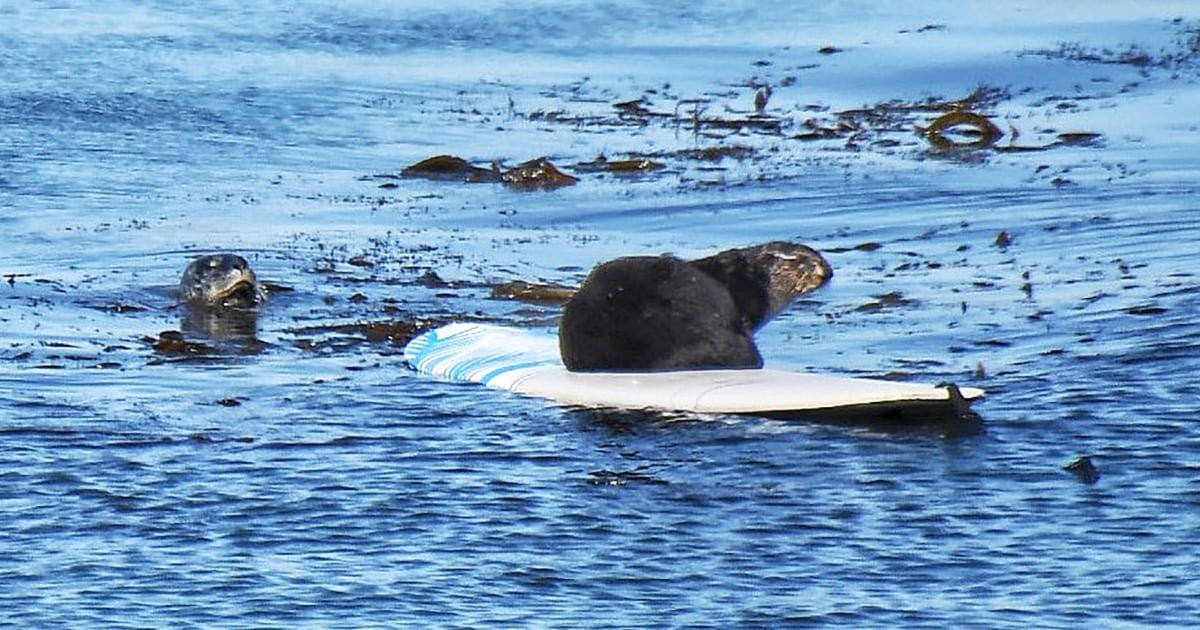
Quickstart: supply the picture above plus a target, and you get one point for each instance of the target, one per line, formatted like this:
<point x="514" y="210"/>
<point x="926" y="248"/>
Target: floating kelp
<point x="735" y="151"/>
<point x="533" y="293"/>
<point x="1071" y="139"/>
<point x="635" y="107"/>
<point x="816" y="131"/>
<point x="980" y="131"/>
<point x="1080" y="139"/>
<point x="340" y="337"/>
<point x="955" y="129"/>
<point x="886" y="301"/>
<point x="693" y="114"/>
<point x="172" y="342"/>
<point x="1185" y="52"/>
<point x="450" y="167"/>
<point x="537" y="174"/>
<point x="629" y="166"/>
<point x="756" y="123"/>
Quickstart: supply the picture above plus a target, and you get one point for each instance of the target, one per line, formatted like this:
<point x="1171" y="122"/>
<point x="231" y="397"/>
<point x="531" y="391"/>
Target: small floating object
<point x="172" y="342"/>
<point x="1084" y="469"/>
<point x="620" y="167"/>
<point x="450" y="167"/>
<point x="537" y="174"/>
<point x="761" y="97"/>
<point x="534" y="293"/>
<point x="636" y="106"/>
<point x="527" y="362"/>
<point x="984" y="132"/>
<point x="1080" y="138"/>
<point x="637" y="165"/>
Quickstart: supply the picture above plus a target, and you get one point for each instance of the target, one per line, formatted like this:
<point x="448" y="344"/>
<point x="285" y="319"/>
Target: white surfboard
<point x="527" y="362"/>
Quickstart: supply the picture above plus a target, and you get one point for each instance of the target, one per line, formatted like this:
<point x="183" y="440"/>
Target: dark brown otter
<point x="646" y="313"/>
<point x="221" y="280"/>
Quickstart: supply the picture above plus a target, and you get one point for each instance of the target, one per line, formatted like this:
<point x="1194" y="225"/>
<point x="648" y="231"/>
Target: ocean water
<point x="294" y="473"/>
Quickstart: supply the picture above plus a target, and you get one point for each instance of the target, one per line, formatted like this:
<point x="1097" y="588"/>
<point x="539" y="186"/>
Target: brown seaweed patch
<point x="885" y="301"/>
<point x="976" y="131"/>
<point x="870" y="124"/>
<point x="533" y="293"/>
<point x="713" y="154"/>
<point x="173" y="343"/>
<point x="537" y="174"/>
<point x="697" y="118"/>
<point x="450" y="168"/>
<point x="756" y="123"/>
<point x="1133" y="55"/>
<point x="631" y="166"/>
<point x="1080" y="138"/>
<point x="329" y="337"/>
<point x="636" y="107"/>
<point x="868" y="246"/>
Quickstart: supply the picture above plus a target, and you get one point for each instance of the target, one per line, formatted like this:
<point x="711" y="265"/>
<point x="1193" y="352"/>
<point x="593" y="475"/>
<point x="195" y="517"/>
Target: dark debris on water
<point x="959" y="129"/>
<point x="536" y="174"/>
<point x="1084" y="470"/>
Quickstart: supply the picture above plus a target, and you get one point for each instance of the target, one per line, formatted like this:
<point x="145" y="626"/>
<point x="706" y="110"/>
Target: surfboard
<point x="526" y="361"/>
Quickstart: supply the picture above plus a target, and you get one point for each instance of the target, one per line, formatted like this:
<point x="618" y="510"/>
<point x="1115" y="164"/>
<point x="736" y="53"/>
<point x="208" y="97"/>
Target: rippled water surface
<point x="294" y="473"/>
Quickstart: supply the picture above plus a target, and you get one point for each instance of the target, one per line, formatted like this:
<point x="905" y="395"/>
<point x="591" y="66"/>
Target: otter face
<point x="221" y="280"/>
<point x="765" y="279"/>
<point x="792" y="270"/>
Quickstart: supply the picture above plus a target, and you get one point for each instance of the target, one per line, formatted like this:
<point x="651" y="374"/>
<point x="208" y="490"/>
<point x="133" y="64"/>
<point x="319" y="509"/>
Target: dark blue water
<point x="306" y="478"/>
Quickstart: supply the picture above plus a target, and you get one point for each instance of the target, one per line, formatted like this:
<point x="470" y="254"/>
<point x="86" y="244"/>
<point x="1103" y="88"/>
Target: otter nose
<point x="811" y="269"/>
<point x="824" y="269"/>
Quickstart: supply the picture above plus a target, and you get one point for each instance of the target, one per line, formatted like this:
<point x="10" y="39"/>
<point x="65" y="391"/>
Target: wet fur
<point x="648" y="313"/>
<point x="653" y="313"/>
<point x="221" y="280"/>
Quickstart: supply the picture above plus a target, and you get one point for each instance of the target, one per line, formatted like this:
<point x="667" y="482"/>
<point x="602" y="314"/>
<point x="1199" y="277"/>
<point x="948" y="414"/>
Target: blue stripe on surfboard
<point x="480" y="352"/>
<point x="487" y="379"/>
<point x="434" y="347"/>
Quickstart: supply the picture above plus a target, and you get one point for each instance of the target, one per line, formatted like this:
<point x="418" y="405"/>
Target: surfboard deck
<point x="527" y="362"/>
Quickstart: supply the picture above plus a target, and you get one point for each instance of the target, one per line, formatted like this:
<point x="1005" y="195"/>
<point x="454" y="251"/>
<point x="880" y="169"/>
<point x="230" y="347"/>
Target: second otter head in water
<point x="221" y="280"/>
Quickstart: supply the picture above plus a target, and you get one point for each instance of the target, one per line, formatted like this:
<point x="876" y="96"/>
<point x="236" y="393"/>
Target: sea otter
<point x="224" y="280"/>
<point x="647" y="313"/>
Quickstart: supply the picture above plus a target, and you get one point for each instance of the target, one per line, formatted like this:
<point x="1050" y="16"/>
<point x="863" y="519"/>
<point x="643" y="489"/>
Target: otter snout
<point x="792" y="270"/>
<point x="221" y="279"/>
<point x="795" y="269"/>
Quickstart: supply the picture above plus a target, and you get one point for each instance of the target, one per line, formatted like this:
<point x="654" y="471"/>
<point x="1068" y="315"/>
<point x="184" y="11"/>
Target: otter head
<point x="221" y="280"/>
<point x="792" y="270"/>
<point x="765" y="279"/>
